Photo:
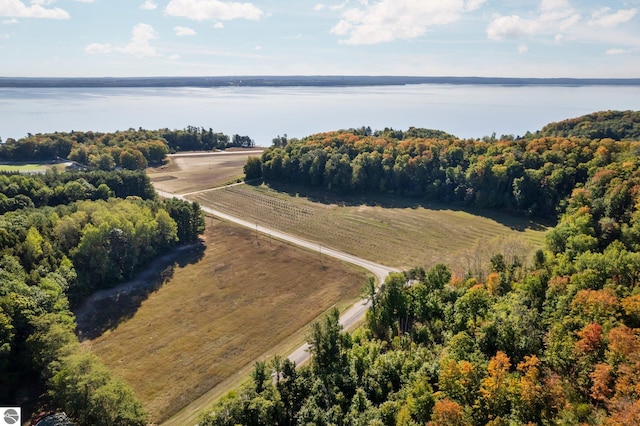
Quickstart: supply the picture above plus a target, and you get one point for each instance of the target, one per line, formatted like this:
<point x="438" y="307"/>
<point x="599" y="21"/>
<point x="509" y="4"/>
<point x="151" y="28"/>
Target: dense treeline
<point x="70" y="238"/>
<point x="554" y="343"/>
<point x="131" y="149"/>
<point x="618" y="125"/>
<point x="53" y="188"/>
<point x="532" y="175"/>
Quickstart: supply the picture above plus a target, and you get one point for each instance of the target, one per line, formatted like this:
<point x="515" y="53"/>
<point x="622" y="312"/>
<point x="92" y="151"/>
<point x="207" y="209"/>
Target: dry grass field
<point x="396" y="232"/>
<point x="240" y="301"/>
<point x="196" y="171"/>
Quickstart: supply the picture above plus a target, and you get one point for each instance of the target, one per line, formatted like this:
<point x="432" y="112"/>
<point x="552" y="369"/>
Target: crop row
<point x="394" y="236"/>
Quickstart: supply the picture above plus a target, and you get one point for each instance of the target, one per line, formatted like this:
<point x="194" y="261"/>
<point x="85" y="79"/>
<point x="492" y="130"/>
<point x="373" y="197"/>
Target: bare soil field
<point x="216" y="310"/>
<point x="187" y="172"/>
<point x="392" y="231"/>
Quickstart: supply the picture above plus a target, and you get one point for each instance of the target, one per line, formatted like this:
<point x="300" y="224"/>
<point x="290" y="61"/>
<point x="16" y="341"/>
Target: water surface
<point x="467" y="111"/>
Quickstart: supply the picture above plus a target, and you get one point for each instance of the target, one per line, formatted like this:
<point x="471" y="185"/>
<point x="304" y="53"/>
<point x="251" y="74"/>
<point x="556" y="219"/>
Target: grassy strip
<point x="23" y="167"/>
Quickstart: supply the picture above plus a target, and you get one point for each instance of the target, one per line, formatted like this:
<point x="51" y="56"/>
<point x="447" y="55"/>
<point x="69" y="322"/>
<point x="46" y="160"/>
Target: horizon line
<point x="301" y="80"/>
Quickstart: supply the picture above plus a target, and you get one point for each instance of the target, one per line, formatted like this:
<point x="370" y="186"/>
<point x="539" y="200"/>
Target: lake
<point x="467" y="111"/>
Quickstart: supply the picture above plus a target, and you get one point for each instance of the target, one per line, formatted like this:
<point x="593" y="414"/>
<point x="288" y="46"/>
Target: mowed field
<point x="187" y="172"/>
<point x="395" y="232"/>
<point x="32" y="167"/>
<point x="247" y="298"/>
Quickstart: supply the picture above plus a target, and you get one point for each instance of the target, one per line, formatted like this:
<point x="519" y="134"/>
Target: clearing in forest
<point x="393" y="231"/>
<point x="187" y="172"/>
<point x="242" y="297"/>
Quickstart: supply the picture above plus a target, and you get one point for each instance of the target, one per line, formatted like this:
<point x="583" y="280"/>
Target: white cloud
<point x="174" y="57"/>
<point x="333" y="7"/>
<point x="139" y="45"/>
<point x="11" y="21"/>
<point x="602" y="17"/>
<point x="555" y="16"/>
<point x="149" y="5"/>
<point x="523" y="48"/>
<point x="95" y="48"/>
<point x="205" y="10"/>
<point x="141" y="35"/>
<point x="184" y="31"/>
<point x="616" y="51"/>
<point x="258" y="47"/>
<point x="512" y="26"/>
<point x="218" y="25"/>
<point x="17" y="9"/>
<point x="388" y="20"/>
<point x="474" y="4"/>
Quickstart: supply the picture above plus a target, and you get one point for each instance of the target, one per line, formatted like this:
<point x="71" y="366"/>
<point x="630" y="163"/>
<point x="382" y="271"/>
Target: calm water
<point x="264" y="112"/>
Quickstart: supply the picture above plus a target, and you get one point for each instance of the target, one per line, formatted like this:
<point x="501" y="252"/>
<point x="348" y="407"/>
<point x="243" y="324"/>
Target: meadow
<point x="24" y="168"/>
<point x="247" y="298"/>
<point x="392" y="231"/>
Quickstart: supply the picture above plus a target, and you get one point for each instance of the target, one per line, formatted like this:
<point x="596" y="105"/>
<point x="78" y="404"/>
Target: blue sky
<point x="512" y="38"/>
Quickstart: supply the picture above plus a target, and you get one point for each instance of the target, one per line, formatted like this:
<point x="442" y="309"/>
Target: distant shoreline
<point x="291" y="81"/>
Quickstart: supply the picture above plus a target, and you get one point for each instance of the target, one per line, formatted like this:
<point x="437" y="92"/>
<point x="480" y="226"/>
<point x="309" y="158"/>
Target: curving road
<point x="349" y="318"/>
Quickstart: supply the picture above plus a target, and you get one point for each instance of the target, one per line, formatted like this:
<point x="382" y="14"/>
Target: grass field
<point x="392" y="231"/>
<point x="23" y="168"/>
<point x="248" y="297"/>
<point x="186" y="173"/>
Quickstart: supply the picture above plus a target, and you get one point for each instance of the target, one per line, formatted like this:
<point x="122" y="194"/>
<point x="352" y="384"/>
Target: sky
<point x="505" y="38"/>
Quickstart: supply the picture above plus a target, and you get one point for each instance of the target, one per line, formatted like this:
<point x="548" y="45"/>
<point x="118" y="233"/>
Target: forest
<point x="62" y="237"/>
<point x="553" y="343"/>
<point x="532" y="175"/>
<point x="131" y="149"/>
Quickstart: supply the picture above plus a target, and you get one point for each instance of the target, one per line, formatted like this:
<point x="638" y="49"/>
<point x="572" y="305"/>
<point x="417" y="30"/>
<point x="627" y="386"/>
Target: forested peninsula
<point x="550" y="340"/>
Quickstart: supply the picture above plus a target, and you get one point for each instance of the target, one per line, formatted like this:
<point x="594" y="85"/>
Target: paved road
<point x="354" y="314"/>
<point x="348" y="319"/>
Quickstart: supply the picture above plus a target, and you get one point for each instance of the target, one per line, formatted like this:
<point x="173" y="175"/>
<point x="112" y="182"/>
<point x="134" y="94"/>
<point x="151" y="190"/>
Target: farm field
<point x="31" y="167"/>
<point x="391" y="231"/>
<point x="196" y="171"/>
<point x="246" y="297"/>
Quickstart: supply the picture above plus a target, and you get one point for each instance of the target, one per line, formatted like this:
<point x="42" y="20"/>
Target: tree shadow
<point x="512" y="220"/>
<point x="106" y="309"/>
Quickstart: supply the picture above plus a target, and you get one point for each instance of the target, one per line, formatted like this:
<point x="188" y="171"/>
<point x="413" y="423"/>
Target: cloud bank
<point x="389" y="20"/>
<point x="37" y="9"/>
<point x="555" y="17"/>
<point x="213" y="10"/>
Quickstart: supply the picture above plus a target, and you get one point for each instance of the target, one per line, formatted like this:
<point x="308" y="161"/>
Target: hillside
<point x="616" y="125"/>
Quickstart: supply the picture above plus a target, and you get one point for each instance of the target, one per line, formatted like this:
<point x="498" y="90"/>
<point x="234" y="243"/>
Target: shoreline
<point x="297" y="81"/>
